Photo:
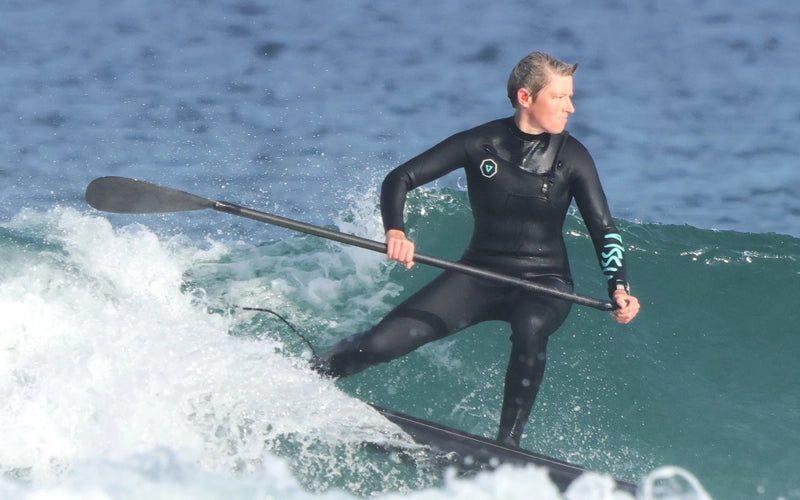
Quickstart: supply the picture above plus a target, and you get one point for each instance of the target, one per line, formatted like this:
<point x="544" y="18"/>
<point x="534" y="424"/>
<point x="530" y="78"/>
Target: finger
<point x="407" y="252"/>
<point x="627" y="313"/>
<point x="408" y="257"/>
<point x="623" y="318"/>
<point x="394" y="250"/>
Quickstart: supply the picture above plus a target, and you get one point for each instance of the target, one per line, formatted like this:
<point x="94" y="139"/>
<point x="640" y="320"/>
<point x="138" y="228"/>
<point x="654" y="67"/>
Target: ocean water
<point x="129" y="369"/>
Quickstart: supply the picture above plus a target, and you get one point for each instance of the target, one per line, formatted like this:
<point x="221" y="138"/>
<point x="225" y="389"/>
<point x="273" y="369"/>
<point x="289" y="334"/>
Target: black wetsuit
<point x="520" y="189"/>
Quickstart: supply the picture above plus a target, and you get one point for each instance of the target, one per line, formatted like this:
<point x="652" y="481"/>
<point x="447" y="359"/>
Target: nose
<point x="569" y="108"/>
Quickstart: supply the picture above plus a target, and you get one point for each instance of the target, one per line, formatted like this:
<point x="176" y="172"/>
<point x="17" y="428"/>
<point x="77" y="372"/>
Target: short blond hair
<point x="532" y="73"/>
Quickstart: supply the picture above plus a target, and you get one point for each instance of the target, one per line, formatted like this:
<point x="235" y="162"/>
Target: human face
<point x="548" y="111"/>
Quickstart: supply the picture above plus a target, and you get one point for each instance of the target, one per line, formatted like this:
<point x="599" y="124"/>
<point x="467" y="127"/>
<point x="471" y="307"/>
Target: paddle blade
<point x="130" y="196"/>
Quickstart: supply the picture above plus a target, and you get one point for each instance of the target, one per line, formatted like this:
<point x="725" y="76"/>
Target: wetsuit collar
<point x="518" y="133"/>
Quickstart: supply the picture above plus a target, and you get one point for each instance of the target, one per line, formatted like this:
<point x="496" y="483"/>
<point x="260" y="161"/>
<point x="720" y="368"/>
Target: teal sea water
<point x="128" y="369"/>
<point x="124" y="351"/>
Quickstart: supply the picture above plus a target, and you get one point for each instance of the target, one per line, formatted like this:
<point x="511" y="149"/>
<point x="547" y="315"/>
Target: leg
<point x="446" y="305"/>
<point x="399" y="333"/>
<point x="533" y="320"/>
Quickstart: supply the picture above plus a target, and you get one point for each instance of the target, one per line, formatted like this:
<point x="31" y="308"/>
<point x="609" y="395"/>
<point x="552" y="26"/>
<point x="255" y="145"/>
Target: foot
<point x="321" y="366"/>
<point x="509" y="441"/>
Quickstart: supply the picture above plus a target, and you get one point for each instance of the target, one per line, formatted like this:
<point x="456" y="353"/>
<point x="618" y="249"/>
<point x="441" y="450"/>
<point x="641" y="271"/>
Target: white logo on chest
<point x="489" y="168"/>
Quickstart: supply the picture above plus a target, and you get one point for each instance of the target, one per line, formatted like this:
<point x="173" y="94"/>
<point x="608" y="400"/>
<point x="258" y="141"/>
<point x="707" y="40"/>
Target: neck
<point x="526" y="125"/>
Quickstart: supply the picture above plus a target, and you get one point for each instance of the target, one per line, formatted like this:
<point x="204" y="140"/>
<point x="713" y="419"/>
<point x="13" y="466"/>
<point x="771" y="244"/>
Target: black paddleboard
<point x="476" y="452"/>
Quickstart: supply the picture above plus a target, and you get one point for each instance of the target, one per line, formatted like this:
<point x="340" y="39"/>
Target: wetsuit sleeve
<point x="436" y="162"/>
<point x="593" y="206"/>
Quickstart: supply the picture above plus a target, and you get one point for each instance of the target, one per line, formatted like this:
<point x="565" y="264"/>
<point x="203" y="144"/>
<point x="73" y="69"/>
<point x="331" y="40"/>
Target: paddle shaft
<point x="230" y="208"/>
<point x="124" y="195"/>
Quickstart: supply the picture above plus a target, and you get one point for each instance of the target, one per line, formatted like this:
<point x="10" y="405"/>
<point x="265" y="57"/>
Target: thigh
<point x="451" y="302"/>
<point x="534" y="317"/>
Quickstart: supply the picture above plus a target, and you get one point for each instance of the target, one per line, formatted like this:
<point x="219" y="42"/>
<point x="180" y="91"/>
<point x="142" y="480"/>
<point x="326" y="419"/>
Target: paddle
<point x="131" y="196"/>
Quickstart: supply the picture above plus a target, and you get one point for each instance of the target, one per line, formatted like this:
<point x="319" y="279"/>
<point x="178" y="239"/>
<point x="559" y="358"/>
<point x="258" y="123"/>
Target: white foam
<point x="104" y="356"/>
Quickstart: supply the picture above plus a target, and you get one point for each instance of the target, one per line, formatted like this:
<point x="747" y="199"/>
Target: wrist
<point x="395" y="233"/>
<point x="619" y="287"/>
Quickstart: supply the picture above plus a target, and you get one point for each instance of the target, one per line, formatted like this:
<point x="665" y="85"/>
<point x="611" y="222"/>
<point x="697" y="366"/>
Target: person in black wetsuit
<point x="522" y="174"/>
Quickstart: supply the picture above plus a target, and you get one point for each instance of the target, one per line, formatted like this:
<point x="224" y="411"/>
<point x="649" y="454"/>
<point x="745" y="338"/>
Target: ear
<point x="524" y="98"/>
